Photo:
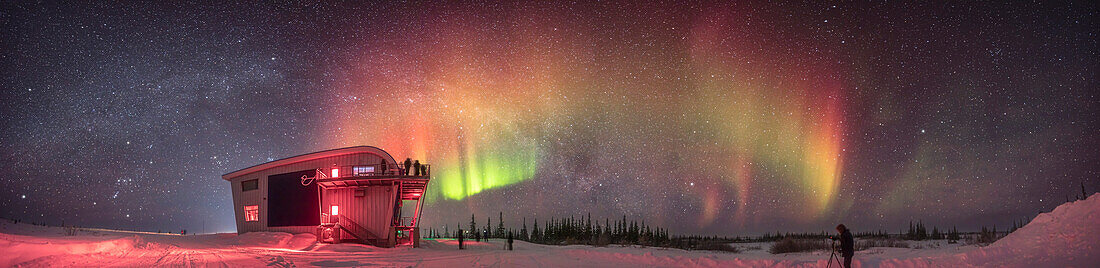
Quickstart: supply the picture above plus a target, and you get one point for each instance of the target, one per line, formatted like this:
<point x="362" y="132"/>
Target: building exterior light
<point x="251" y="213"/>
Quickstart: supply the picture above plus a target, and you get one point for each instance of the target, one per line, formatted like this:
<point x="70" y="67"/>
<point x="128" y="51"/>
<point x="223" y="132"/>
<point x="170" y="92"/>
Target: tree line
<point x="564" y="231"/>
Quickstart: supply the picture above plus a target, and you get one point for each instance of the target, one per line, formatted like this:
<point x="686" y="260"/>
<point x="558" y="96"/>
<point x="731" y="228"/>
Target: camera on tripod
<point x="833" y="256"/>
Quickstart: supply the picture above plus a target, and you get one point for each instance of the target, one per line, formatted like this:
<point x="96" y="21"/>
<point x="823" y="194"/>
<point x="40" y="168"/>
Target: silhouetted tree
<point x="523" y="235"/>
<point x="537" y="234"/>
<point x="473" y="224"/>
<point x="500" y="225"/>
<point x="488" y="232"/>
<point x="1083" y="193"/>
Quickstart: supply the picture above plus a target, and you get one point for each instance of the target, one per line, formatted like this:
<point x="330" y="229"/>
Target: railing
<point x="378" y="170"/>
<point x="356" y="230"/>
<point x="405" y="222"/>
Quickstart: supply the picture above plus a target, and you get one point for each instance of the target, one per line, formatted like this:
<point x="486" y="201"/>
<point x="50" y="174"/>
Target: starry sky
<point x="706" y="118"/>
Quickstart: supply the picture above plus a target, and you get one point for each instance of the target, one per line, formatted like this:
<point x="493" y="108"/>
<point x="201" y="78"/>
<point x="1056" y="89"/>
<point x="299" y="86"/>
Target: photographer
<point x="847" y="245"/>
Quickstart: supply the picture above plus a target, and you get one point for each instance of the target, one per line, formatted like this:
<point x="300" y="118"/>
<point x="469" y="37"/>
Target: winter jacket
<point x="847" y="244"/>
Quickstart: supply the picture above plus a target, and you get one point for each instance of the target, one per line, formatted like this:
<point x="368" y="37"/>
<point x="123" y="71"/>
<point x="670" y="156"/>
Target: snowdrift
<point x="274" y="240"/>
<point x="18" y="249"/>
<point x="1068" y="236"/>
<point x="1065" y="237"/>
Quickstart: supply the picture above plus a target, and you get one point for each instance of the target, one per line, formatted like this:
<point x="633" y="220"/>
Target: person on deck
<point x="416" y="168"/>
<point x="847" y="245"/>
<point x="408" y="164"/>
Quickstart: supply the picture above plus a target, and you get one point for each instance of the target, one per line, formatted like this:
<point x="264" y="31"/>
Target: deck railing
<point x="377" y="170"/>
<point x="405" y="222"/>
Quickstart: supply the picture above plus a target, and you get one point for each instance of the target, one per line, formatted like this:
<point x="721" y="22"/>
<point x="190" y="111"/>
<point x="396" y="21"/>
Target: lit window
<point x="335" y="172"/>
<point x="251" y="213"/>
<point x="335" y="210"/>
<point x="363" y="170"/>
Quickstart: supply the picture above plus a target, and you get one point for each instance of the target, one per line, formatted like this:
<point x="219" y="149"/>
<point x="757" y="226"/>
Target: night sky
<point x="706" y="118"/>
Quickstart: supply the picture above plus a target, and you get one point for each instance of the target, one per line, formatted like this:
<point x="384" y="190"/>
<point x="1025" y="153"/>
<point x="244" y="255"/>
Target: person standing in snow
<point x="847" y="245"/>
<point x="460" y="239"/>
<point x="509" y="240"/>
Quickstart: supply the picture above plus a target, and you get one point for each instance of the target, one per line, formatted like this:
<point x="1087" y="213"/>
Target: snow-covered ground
<point x="1065" y="237"/>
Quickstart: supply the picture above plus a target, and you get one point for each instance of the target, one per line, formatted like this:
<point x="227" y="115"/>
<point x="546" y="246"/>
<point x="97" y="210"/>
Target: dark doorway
<point x="290" y="203"/>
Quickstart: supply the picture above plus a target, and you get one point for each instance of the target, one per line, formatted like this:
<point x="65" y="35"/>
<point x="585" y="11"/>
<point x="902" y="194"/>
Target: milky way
<point x="708" y="118"/>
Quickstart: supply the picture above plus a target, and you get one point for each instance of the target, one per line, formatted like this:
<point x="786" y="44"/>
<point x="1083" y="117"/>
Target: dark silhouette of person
<point x="460" y="239"/>
<point x="408" y="164"/>
<point x="847" y="245"/>
<point x="509" y="240"/>
<point x="416" y="168"/>
<point x="424" y="170"/>
<point x="383" y="167"/>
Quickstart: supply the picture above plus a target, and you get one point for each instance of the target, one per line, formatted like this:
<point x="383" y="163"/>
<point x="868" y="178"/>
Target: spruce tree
<point x="609" y="231"/>
<point x="1083" y="193"/>
<point x="536" y="235"/>
<point x="547" y="233"/>
<point x="500" y="224"/>
<point x="588" y="229"/>
<point x="523" y="232"/>
<point x="473" y="224"/>
<point x="912" y="234"/>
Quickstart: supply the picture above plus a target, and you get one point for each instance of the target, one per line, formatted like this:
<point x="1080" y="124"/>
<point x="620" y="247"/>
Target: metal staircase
<point x="354" y="229"/>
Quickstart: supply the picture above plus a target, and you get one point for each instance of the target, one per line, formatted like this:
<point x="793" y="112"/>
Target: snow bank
<point x="1068" y="236"/>
<point x="18" y="249"/>
<point x="274" y="240"/>
<point x="1065" y="237"/>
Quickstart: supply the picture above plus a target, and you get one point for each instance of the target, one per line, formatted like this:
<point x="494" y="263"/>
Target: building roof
<point x="311" y="156"/>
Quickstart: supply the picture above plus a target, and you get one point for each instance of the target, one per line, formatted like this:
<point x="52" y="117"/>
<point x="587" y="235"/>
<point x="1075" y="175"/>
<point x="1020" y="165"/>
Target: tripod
<point x="833" y="256"/>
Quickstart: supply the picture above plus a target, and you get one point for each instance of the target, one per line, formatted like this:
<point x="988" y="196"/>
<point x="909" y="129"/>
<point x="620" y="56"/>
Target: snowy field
<point x="1065" y="237"/>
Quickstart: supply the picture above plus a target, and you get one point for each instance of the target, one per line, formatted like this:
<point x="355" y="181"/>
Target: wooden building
<point x="359" y="194"/>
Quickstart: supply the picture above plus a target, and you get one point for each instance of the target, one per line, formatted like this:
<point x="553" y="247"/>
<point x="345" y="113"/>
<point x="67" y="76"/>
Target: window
<point x="336" y="173"/>
<point x="250" y="185"/>
<point x="251" y="213"/>
<point x="363" y="170"/>
<point x="335" y="210"/>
